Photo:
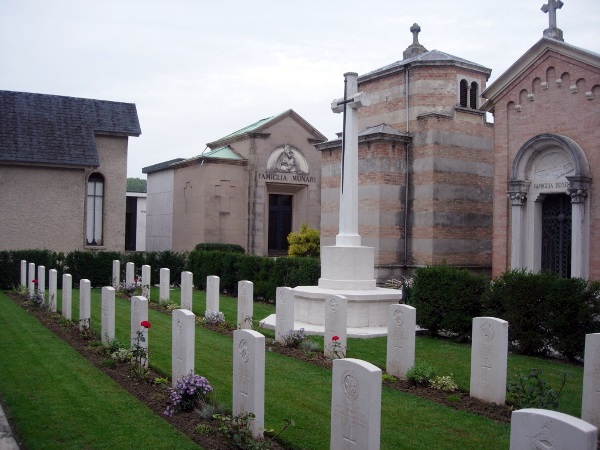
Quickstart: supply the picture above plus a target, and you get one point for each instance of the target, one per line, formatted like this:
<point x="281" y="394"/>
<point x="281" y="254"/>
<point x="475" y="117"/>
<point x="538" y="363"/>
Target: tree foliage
<point x="136" y="185"/>
<point x="305" y="242"/>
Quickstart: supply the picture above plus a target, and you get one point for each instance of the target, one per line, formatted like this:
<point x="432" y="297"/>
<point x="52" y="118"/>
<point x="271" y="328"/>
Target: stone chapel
<point x="251" y="188"/>
<point x="546" y="109"/>
<point x="425" y="165"/>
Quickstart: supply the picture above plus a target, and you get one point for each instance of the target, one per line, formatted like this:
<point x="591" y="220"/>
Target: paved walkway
<point x="7" y="441"/>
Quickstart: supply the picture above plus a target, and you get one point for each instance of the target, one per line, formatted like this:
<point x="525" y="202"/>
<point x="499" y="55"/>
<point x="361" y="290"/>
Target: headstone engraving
<point x="187" y="286"/>
<point x="245" y="309"/>
<point x="85" y="311"/>
<point x="355" y="405"/>
<point x="139" y="313"/>
<point x="41" y="286"/>
<point x="146" y="283"/>
<point x="249" y="377"/>
<point x="402" y="321"/>
<point x="336" y="320"/>
<point x="284" y="318"/>
<point x="129" y="274"/>
<point x="212" y="293"/>
<point x="116" y="274"/>
<point x="108" y="315"/>
<point x="165" y="283"/>
<point x="182" y="344"/>
<point x="31" y="277"/>
<point x="489" y="353"/>
<point x="52" y="282"/>
<point x="67" y="294"/>
<point x="543" y="429"/>
<point x="590" y="404"/>
<point x="23" y="273"/>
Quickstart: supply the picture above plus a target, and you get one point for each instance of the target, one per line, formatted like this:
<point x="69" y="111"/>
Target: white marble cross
<point x="551" y="8"/>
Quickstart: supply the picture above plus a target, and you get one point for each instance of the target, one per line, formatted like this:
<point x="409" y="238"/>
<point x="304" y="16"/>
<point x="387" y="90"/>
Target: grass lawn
<point x="302" y="392"/>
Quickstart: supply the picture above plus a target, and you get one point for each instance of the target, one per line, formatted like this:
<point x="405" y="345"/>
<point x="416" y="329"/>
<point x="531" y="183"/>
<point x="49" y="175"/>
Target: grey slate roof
<point x="432" y="57"/>
<point x="51" y="129"/>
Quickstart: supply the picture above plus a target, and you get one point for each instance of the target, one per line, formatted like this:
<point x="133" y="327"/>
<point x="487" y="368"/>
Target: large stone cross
<point x="348" y="219"/>
<point x="225" y="192"/>
<point x="552" y="31"/>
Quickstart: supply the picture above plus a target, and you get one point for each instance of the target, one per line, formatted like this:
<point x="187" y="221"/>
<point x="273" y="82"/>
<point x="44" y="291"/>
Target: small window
<point x="474" y="95"/>
<point x="464" y="88"/>
<point x="95" y="209"/>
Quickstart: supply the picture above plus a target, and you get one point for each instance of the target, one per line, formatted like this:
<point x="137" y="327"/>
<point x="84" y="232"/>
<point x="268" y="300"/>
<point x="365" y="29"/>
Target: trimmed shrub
<point x="304" y="242"/>
<point x="543" y="311"/>
<point x="94" y="266"/>
<point x="447" y="298"/>
<point x="10" y="264"/>
<point x="218" y="247"/>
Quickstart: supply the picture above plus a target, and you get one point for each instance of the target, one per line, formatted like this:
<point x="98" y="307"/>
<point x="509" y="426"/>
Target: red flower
<point x="145" y="324"/>
<point x="135" y="280"/>
<point x="335" y="338"/>
<point x="34" y="281"/>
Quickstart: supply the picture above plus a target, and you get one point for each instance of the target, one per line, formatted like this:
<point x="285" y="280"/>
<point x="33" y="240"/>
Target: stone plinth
<point x="347" y="268"/>
<point x="367" y="310"/>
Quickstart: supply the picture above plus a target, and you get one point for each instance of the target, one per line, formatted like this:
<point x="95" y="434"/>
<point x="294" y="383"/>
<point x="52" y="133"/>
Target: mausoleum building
<point x="63" y="171"/>
<point x="425" y="165"/>
<point x="546" y="109"/>
<point x="251" y="188"/>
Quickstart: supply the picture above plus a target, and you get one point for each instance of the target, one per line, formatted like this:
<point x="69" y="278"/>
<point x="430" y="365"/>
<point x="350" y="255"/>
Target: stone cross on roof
<point x="415" y="30"/>
<point x="415" y="48"/>
<point x="552" y="31"/>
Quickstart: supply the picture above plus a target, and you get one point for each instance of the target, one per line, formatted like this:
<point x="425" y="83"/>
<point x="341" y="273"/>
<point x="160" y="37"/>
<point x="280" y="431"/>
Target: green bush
<point x="447" y="299"/>
<point x="532" y="391"/>
<point x="304" y="242"/>
<point x="218" y="247"/>
<point x="10" y="265"/>
<point x="543" y="311"/>
<point x="420" y="374"/>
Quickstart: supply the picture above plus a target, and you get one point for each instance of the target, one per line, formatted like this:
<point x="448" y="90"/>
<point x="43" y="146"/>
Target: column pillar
<point x="578" y="191"/>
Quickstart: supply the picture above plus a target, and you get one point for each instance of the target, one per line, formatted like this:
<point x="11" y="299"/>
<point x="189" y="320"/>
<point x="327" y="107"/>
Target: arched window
<point x="474" y="95"/>
<point x="95" y="209"/>
<point x="464" y="88"/>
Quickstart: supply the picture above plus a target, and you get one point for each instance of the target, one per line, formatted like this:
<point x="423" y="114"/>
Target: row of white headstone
<point x="353" y="423"/>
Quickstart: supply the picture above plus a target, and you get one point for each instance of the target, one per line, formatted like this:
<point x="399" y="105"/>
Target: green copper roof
<point x="222" y="153"/>
<point x="249" y="128"/>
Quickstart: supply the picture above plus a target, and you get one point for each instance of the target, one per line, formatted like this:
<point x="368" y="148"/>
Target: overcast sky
<point x="199" y="70"/>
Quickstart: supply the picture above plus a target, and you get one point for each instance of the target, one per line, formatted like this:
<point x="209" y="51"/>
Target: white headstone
<point x="31" y="277"/>
<point x="402" y="321"/>
<point x="336" y="320"/>
<point x="41" y="287"/>
<point x="212" y="293"/>
<point x="165" y="283"/>
<point x="245" y="309"/>
<point x="182" y="344"/>
<point x="187" y="288"/>
<point x="116" y="273"/>
<point x="108" y="315"/>
<point x="52" y="290"/>
<point x="355" y="405"/>
<point x="139" y="313"/>
<point x="249" y="377"/>
<point x="489" y="353"/>
<point x="146" y="284"/>
<point x="590" y="405"/>
<point x="84" y="304"/>
<point x="284" y="309"/>
<point x="544" y="429"/>
<point x="67" y="294"/>
<point x="23" y="273"/>
<point x="129" y="273"/>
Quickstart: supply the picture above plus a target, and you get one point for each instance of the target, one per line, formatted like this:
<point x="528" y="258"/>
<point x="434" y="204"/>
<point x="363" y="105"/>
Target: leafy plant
<point x="236" y="430"/>
<point x="444" y="383"/>
<point x="304" y="242"/>
<point x="420" y="374"/>
<point x="214" y="317"/>
<point x="532" y="391"/>
<point x="388" y="378"/>
<point x="309" y="345"/>
<point x="293" y="338"/>
<point x="188" y="393"/>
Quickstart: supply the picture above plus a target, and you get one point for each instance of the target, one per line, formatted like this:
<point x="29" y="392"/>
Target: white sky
<point x="199" y="70"/>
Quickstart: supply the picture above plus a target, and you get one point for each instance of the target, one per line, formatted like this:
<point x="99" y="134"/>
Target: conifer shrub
<point x="447" y="298"/>
<point x="304" y="242"/>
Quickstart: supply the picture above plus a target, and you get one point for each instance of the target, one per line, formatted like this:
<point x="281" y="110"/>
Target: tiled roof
<point x="52" y="129"/>
<point x="431" y="57"/>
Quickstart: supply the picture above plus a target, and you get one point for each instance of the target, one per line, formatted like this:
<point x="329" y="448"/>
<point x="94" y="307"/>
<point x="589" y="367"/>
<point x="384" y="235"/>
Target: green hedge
<point x="266" y="273"/>
<point x="10" y="264"/>
<point x="218" y="247"/>
<point x="545" y="312"/>
<point x="447" y="298"/>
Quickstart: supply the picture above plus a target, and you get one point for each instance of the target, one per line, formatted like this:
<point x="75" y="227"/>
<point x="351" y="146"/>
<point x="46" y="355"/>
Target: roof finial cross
<point x="415" y="30"/>
<point x="552" y="31"/>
